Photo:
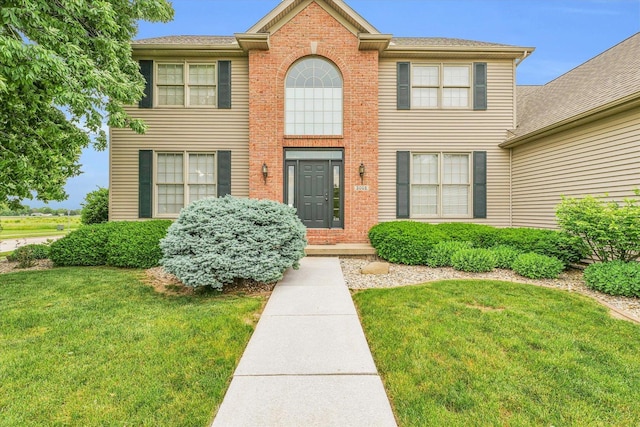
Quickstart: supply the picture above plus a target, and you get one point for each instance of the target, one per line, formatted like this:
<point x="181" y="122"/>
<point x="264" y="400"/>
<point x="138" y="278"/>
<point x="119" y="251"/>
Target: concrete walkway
<point x="307" y="363"/>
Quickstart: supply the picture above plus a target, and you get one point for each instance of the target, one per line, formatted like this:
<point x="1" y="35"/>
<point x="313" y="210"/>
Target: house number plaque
<point x="362" y="188"/>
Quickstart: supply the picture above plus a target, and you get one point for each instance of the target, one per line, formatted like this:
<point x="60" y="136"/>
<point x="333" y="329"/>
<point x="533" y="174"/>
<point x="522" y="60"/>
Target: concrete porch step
<point x="341" y="249"/>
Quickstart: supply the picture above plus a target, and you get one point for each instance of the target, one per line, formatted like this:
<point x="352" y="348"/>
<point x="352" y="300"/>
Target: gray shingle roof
<point x="441" y="41"/>
<point x="609" y="77"/>
<point x="187" y="40"/>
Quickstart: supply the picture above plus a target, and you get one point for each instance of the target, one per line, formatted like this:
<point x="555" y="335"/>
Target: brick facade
<point x="313" y="31"/>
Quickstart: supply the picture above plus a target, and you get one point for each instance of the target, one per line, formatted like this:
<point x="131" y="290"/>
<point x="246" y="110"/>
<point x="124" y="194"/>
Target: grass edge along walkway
<point x="96" y="346"/>
<point x="475" y="353"/>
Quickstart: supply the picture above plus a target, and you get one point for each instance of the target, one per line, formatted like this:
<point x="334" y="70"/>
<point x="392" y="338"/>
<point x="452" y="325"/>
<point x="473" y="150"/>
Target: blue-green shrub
<point x="440" y="254"/>
<point x="566" y="248"/>
<point x="614" y="278"/>
<point x="136" y="244"/>
<point x="405" y="242"/>
<point x="473" y="260"/>
<point x="86" y="246"/>
<point x="505" y="255"/>
<point x="479" y="235"/>
<point x="536" y="266"/>
<point x="215" y="241"/>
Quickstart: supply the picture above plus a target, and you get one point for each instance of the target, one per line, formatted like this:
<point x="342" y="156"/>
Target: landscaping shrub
<point x="473" y="260"/>
<point x="480" y="236"/>
<point x="86" y="246"/>
<point x="136" y="244"/>
<point x="505" y="255"/>
<point x="610" y="229"/>
<point x="536" y="266"/>
<point x="566" y="248"/>
<point x="614" y="278"/>
<point x="95" y="209"/>
<point x="440" y="255"/>
<point x="215" y="241"/>
<point x="34" y="251"/>
<point x="405" y="242"/>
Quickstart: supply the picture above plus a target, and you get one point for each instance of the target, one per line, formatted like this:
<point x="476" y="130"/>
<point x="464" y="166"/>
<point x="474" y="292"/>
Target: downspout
<point x="510" y="187"/>
<point x="524" y="56"/>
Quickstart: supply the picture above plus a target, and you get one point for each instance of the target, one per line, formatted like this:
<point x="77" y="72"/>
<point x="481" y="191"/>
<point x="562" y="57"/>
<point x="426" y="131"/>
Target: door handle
<point x="326" y="197"/>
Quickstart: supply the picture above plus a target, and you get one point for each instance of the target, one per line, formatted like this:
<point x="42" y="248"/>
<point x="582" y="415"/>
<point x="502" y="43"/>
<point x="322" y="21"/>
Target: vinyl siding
<point x="180" y="129"/>
<point x="599" y="158"/>
<point x="449" y="130"/>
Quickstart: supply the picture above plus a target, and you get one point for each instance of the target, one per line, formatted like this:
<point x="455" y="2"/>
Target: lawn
<point x="488" y="353"/>
<point x="17" y="227"/>
<point x="96" y="346"/>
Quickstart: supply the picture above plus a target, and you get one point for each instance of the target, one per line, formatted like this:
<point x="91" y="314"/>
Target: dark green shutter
<point x="224" y="173"/>
<point x="224" y="84"/>
<point x="145" y="184"/>
<point x="479" y="184"/>
<point x="146" y="69"/>
<point x="403" y="196"/>
<point x="479" y="85"/>
<point x="404" y="85"/>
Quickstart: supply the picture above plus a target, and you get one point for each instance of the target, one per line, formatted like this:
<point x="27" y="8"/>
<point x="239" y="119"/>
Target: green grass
<point x="16" y="227"/>
<point x="487" y="353"/>
<point x="97" y="347"/>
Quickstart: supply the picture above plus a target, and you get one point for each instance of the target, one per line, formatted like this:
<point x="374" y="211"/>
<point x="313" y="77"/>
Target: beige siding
<point x="449" y="131"/>
<point x="180" y="129"/>
<point x="599" y="158"/>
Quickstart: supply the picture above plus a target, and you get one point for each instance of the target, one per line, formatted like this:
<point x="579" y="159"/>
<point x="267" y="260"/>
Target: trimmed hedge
<point x="134" y="244"/>
<point x="505" y="256"/>
<point x="614" y="278"/>
<point x="405" y="242"/>
<point x="440" y="255"/>
<point x="536" y="266"/>
<point x="409" y="242"/>
<point x="473" y="260"/>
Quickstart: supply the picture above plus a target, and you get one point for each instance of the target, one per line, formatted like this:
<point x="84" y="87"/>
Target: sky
<point x="565" y="33"/>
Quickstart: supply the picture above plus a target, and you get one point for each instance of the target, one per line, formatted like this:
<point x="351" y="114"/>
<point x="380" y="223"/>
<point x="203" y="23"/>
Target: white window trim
<point x="185" y="178"/>
<point x="441" y="85"/>
<point x="185" y="85"/>
<point x="439" y="214"/>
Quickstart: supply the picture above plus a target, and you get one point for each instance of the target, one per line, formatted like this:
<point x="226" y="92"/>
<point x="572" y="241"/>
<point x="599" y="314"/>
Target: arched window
<point x="313" y="99"/>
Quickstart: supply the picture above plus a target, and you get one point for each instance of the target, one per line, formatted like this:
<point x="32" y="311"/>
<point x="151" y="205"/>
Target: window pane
<point x="170" y="74"/>
<point x="424" y="199"/>
<point x="313" y="98"/>
<point x="200" y="191"/>
<point x="424" y="97"/>
<point x="453" y="97"/>
<point x="455" y="169"/>
<point x="202" y="95"/>
<point x="201" y="169"/>
<point x="291" y="187"/>
<point x="336" y="193"/>
<point x="455" y="199"/>
<point x="170" y="95"/>
<point x="202" y="74"/>
<point x="456" y="76"/>
<point x="425" y="76"/>
<point x="169" y="169"/>
<point x="170" y="198"/>
<point x="425" y="169"/>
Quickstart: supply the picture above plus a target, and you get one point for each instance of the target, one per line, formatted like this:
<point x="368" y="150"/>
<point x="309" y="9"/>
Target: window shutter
<point x="479" y="85"/>
<point x="146" y="69"/>
<point x="145" y="184"/>
<point x="479" y="184"/>
<point x="403" y="159"/>
<point x="224" y="84"/>
<point x="224" y="173"/>
<point x="404" y="85"/>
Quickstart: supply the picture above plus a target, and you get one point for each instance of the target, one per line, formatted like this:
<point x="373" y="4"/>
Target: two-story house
<point x="314" y="107"/>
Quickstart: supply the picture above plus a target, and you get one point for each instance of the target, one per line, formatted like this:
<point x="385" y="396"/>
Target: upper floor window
<point x="440" y="85"/>
<point x="186" y="85"/>
<point x="313" y="99"/>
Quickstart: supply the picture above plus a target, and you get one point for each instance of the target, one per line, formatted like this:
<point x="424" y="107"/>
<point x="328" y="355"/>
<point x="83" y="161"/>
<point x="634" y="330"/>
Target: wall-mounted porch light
<point x="361" y="172"/>
<point x="265" y="172"/>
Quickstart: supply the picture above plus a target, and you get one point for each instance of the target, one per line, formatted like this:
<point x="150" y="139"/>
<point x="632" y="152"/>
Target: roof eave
<point x="510" y="52"/>
<point x="164" y="50"/>
<point x="623" y="104"/>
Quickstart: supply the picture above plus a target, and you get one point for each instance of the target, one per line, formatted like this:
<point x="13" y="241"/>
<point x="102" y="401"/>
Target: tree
<point x="64" y="66"/>
<point x="95" y="209"/>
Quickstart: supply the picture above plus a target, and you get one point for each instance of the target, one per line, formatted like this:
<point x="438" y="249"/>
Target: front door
<point x="314" y="187"/>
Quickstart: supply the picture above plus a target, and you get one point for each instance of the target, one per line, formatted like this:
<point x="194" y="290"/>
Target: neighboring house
<point x="313" y="107"/>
